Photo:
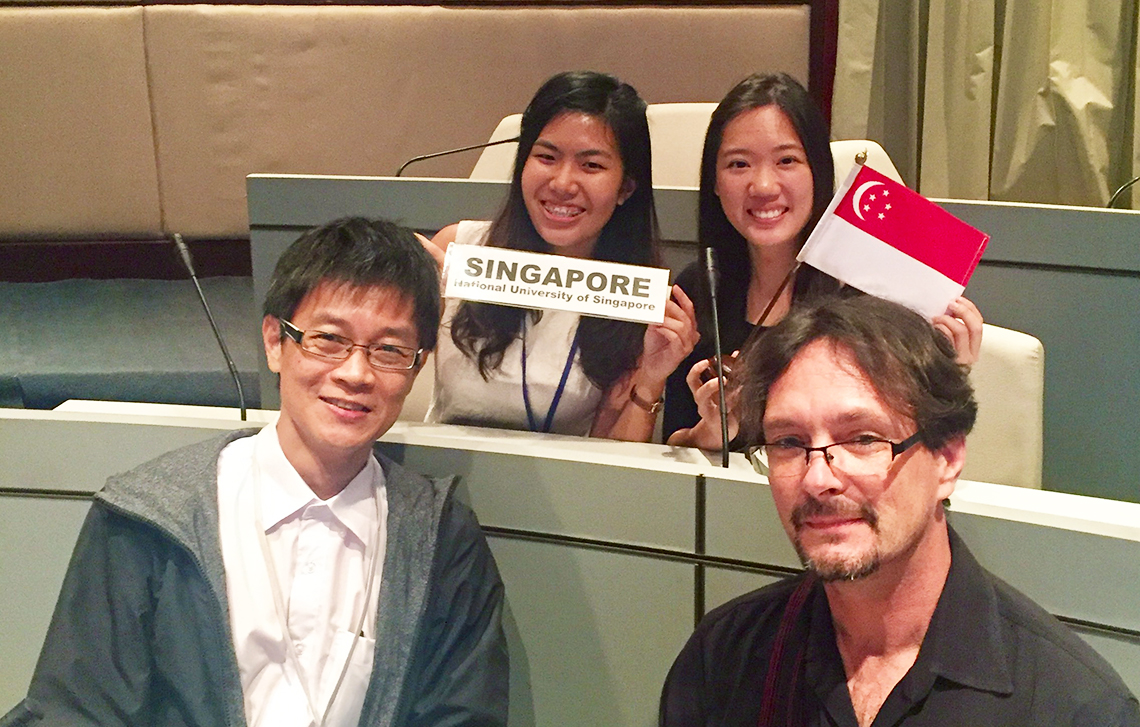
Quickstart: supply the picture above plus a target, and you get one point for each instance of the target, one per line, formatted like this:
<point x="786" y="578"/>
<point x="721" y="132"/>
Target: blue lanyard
<point x="557" y="393"/>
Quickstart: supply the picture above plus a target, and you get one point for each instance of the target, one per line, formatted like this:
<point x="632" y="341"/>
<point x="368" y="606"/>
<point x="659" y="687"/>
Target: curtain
<point x="1016" y="100"/>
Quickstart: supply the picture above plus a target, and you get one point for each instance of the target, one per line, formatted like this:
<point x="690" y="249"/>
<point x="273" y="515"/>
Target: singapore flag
<point x="886" y="240"/>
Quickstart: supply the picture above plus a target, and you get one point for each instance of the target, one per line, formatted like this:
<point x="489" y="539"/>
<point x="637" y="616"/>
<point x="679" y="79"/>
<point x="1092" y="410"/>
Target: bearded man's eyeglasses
<point x="862" y="456"/>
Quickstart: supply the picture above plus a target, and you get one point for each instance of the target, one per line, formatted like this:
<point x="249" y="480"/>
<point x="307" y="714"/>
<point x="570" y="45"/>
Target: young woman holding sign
<point x="766" y="178"/>
<point x="581" y="187"/>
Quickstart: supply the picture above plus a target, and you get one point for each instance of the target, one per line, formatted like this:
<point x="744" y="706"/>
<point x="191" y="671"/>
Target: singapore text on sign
<point x="535" y="280"/>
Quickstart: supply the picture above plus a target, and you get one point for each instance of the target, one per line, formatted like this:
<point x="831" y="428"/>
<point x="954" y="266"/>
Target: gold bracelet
<point x="650" y="406"/>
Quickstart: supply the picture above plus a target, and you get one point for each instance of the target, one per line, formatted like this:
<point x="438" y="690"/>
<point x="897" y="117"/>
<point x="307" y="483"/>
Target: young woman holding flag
<point x="766" y="178"/>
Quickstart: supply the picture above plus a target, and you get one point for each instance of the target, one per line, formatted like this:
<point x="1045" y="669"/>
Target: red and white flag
<point x="886" y="240"/>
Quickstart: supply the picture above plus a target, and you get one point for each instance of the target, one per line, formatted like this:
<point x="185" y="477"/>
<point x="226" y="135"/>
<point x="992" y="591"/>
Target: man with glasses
<point x="292" y="576"/>
<point x="859" y="417"/>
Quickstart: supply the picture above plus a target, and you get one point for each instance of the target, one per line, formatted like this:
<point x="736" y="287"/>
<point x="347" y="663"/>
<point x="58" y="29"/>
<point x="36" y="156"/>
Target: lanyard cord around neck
<point x="557" y="392"/>
<point x="319" y="716"/>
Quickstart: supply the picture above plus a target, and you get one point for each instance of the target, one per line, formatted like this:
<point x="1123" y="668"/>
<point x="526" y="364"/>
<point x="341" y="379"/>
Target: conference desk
<point x="609" y="551"/>
<point x="1079" y="300"/>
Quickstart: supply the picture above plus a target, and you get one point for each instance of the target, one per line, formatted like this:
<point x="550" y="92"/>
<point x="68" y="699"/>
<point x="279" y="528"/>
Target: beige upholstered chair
<point x="1006" y="446"/>
<point x="676" y="131"/>
<point x="844" y="152"/>
<point x="496" y="162"/>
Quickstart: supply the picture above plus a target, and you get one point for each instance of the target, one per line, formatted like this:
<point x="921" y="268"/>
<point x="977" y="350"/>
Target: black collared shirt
<point x="990" y="657"/>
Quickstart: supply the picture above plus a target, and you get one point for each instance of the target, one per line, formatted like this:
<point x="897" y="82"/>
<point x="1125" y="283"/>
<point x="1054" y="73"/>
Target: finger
<point x="969" y="314"/>
<point x="951" y="327"/>
<point x="432" y="249"/>
<point x="708" y="399"/>
<point x="680" y="309"/>
<point x="965" y="309"/>
<point x="955" y="330"/>
<point x="684" y="301"/>
<point x="693" y="378"/>
<point x="680" y="325"/>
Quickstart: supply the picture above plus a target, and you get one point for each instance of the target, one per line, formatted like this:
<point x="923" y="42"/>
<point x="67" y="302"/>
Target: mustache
<point x="812" y="507"/>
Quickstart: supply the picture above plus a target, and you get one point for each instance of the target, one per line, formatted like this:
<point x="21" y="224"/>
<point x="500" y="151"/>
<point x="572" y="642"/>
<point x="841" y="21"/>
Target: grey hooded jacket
<point x="141" y="635"/>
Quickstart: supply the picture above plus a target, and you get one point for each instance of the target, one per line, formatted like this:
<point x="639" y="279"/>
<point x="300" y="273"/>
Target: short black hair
<point x="911" y="364"/>
<point x="362" y="253"/>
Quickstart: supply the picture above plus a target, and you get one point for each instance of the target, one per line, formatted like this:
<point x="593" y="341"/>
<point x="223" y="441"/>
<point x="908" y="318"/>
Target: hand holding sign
<point x="669" y="342"/>
<point x="665" y="346"/>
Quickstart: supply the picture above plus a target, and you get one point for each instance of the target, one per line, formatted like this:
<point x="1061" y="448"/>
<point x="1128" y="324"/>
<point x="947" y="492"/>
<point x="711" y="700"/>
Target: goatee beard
<point x="836" y="569"/>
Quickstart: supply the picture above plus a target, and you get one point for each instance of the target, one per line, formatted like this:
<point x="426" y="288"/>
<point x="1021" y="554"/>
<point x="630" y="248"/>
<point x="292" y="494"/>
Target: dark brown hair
<point x="911" y="364"/>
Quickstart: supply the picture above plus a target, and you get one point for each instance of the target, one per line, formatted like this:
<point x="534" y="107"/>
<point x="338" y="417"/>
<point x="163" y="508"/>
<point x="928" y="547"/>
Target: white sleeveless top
<point x="461" y="396"/>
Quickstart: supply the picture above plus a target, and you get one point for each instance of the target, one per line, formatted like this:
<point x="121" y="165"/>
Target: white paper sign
<point x="536" y="280"/>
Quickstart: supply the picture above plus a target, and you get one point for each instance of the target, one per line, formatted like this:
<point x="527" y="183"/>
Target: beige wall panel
<point x="357" y="90"/>
<point x="76" y="148"/>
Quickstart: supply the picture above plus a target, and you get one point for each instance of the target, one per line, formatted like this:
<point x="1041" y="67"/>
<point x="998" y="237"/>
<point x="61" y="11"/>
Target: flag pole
<point x="779" y="291"/>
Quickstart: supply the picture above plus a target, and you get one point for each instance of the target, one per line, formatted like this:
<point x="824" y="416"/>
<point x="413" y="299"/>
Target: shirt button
<point x="300" y="649"/>
<point x="309" y="568"/>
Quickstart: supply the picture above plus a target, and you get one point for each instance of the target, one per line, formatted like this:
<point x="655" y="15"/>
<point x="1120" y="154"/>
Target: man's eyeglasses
<point x="864" y="456"/>
<point x="338" y="348"/>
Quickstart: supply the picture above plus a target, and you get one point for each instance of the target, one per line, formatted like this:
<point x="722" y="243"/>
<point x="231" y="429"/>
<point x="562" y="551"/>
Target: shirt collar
<point x="965" y="642"/>
<point x="284" y="493"/>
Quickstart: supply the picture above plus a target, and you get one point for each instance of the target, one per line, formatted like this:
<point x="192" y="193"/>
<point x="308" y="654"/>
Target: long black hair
<point x="608" y="348"/>
<point x="714" y="229"/>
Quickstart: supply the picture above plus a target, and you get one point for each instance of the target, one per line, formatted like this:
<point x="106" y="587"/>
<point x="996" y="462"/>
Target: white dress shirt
<point x="321" y="551"/>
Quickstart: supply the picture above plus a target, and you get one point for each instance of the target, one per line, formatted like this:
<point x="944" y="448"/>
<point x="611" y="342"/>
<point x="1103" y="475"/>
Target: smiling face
<point x="332" y="411"/>
<point x="763" y="178"/>
<point x="844" y="527"/>
<point x="572" y="182"/>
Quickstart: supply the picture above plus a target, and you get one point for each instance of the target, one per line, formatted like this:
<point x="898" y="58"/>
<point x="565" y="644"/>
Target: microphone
<point x="433" y="155"/>
<point x="188" y="261"/>
<point x="1120" y="191"/>
<point x="718" y="359"/>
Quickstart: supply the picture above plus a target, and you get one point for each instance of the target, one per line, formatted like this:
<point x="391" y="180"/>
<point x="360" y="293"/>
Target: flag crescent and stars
<point x="857" y="199"/>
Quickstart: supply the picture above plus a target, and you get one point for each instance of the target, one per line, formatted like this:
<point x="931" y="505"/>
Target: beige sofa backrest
<point x="146" y="120"/>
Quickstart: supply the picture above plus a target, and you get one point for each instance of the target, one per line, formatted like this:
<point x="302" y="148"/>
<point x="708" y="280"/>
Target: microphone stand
<point x="1121" y="190"/>
<point x="188" y="261"/>
<point x="718" y="359"/>
<point x="433" y="155"/>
